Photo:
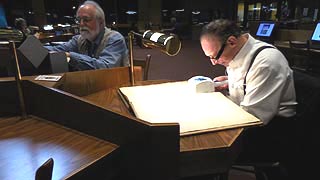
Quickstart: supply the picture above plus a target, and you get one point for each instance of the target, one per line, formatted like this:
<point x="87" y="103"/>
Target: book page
<point x="195" y="112"/>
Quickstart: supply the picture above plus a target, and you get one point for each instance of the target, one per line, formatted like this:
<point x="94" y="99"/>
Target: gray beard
<point x="87" y="35"/>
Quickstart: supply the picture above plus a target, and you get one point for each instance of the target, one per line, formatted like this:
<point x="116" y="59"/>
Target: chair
<point x="305" y="136"/>
<point x="144" y="63"/>
<point x="300" y="55"/>
<point x="44" y="172"/>
<point x="262" y="164"/>
<point x="308" y="98"/>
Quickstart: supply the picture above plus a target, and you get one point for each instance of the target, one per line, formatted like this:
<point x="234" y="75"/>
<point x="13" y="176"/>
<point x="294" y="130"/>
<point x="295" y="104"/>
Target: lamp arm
<point x="135" y="33"/>
<point x="130" y="35"/>
<point x="18" y="79"/>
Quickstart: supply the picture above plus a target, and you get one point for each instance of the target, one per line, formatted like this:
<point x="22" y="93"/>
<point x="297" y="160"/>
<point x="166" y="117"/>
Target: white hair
<point x="99" y="11"/>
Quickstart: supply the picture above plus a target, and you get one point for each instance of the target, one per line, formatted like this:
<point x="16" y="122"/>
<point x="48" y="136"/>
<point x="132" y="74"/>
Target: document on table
<point x="195" y="112"/>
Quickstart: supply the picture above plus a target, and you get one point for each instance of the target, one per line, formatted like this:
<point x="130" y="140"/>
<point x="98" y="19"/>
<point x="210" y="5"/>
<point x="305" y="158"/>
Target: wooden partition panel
<point x="9" y="103"/>
<point x="77" y="113"/>
<point x="82" y="83"/>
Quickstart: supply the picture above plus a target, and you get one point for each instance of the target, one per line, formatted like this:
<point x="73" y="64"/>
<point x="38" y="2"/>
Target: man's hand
<point x="37" y="35"/>
<point x="68" y="56"/>
<point x="220" y="79"/>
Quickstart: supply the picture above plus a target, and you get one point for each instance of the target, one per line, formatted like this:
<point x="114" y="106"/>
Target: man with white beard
<point x="97" y="46"/>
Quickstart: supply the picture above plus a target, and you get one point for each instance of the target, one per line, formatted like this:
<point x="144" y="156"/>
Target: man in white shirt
<point x="262" y="84"/>
<point x="269" y="84"/>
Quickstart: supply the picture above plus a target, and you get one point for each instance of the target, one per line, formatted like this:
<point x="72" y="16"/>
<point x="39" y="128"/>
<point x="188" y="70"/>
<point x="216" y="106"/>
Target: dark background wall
<point x="30" y="8"/>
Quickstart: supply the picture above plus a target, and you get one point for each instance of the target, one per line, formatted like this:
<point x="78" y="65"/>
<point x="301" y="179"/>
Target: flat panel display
<point x="316" y="33"/>
<point x="265" y="29"/>
<point x="3" y="19"/>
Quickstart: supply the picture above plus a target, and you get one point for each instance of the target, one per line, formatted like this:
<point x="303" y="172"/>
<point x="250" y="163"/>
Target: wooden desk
<point x="205" y="153"/>
<point x="155" y="148"/>
<point x="49" y="38"/>
<point x="26" y="144"/>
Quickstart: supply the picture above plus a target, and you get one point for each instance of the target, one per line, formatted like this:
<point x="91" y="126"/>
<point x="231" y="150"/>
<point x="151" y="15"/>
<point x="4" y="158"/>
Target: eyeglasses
<point x="219" y="52"/>
<point x="85" y="19"/>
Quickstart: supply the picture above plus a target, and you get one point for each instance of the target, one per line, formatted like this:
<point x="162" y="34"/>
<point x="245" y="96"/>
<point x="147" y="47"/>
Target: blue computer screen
<point x="265" y="29"/>
<point x="316" y="33"/>
<point x="3" y="19"/>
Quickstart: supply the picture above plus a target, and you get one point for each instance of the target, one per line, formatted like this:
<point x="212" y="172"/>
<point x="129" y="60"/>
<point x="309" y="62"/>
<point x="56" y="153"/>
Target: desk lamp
<point x="169" y="44"/>
<point x="13" y="36"/>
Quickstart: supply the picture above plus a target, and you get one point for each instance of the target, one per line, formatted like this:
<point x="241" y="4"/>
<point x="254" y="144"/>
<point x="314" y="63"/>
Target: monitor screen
<point x="48" y="27"/>
<point x="316" y="33"/>
<point x="3" y="19"/>
<point x="265" y="29"/>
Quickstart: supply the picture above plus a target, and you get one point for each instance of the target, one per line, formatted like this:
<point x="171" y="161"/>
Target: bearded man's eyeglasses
<point x="84" y="19"/>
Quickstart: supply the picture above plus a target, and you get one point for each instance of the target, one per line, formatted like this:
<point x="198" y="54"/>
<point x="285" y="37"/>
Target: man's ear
<point x="100" y="22"/>
<point x="232" y="40"/>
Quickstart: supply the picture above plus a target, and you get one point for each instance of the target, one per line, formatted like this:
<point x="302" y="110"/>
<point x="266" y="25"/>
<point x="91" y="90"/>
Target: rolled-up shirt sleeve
<point x="110" y="56"/>
<point x="70" y="46"/>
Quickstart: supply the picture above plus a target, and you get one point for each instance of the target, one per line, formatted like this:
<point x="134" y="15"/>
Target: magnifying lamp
<point x="168" y="43"/>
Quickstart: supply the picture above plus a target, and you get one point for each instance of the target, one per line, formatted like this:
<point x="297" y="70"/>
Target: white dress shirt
<point x="269" y="83"/>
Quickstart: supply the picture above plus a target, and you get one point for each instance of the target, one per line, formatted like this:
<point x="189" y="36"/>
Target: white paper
<point x="47" y="78"/>
<point x="176" y="102"/>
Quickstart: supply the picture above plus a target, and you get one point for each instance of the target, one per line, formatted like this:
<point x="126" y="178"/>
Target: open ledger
<point x="177" y="102"/>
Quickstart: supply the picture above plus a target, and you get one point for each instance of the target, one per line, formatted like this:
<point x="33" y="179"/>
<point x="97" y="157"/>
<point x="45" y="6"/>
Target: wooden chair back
<point x="299" y="44"/>
<point x="144" y="63"/>
<point x="44" y="172"/>
<point x="300" y="55"/>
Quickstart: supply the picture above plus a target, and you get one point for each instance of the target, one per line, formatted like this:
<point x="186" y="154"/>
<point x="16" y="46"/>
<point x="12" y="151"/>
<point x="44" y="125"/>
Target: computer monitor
<point x="3" y="19"/>
<point x="48" y="27"/>
<point x="316" y="33"/>
<point x="265" y="29"/>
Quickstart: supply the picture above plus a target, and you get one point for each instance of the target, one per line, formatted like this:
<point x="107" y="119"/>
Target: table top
<point x="109" y="98"/>
<point x="27" y="143"/>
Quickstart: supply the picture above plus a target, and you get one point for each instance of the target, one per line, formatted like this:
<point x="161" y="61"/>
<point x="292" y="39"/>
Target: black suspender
<point x="251" y="62"/>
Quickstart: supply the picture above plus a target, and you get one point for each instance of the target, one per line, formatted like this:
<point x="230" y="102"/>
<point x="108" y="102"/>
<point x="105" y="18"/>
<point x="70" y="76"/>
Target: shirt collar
<point x="238" y="60"/>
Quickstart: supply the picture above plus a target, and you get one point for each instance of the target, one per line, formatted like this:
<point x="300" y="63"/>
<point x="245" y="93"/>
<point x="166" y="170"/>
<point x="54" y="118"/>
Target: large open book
<point x="177" y="102"/>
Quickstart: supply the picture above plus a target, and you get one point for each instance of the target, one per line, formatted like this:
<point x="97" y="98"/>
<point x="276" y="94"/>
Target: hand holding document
<point x="178" y="102"/>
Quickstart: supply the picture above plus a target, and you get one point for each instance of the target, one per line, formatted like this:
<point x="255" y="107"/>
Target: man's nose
<point x="81" y="22"/>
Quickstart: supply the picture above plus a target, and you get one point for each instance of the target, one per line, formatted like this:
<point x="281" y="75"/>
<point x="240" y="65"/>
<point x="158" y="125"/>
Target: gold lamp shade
<point x="168" y="43"/>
